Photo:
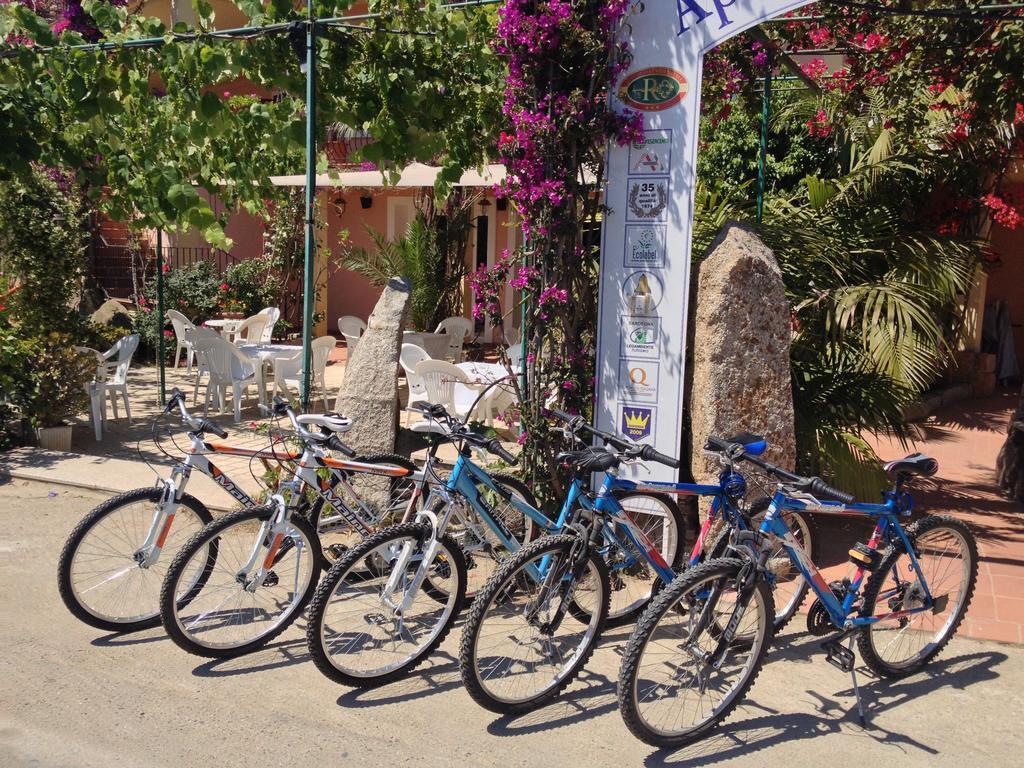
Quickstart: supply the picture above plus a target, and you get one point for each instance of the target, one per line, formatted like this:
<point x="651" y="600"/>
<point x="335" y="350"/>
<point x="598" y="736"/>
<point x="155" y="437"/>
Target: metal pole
<point x="308" y="288"/>
<point x="766" y="105"/>
<point x="161" y="353"/>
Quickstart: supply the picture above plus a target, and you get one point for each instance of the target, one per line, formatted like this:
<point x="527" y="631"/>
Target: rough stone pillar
<point x="369" y="394"/>
<point x="741" y="343"/>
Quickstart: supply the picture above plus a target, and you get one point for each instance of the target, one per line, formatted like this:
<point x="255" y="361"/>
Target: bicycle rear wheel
<point x="522" y="644"/>
<point x="948" y="557"/>
<point x="678" y="680"/>
<point x="633" y="580"/>
<point x="360" y="636"/>
<point x="255" y="586"/>
<point x="100" y="574"/>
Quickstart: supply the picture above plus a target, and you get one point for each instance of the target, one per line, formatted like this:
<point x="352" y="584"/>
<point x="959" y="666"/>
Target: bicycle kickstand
<point x="856" y="688"/>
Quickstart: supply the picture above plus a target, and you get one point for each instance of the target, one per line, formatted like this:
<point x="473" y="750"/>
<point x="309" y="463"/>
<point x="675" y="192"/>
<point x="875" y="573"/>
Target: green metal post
<point x="766" y="106"/>
<point x="161" y="353"/>
<point x="308" y="288"/>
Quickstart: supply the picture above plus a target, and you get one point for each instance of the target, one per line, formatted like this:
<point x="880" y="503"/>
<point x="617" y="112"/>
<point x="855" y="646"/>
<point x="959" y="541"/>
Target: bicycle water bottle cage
<point x="733" y="483"/>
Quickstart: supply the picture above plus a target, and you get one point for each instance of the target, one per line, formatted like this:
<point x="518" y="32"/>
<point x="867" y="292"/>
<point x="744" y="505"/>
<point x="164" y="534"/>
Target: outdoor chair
<point x="228" y="367"/>
<point x="448" y="385"/>
<point x="181" y="324"/>
<point x="515" y="357"/>
<point x="351" y="327"/>
<point x="191" y="335"/>
<point x="410" y="357"/>
<point x="288" y="371"/>
<point x="273" y="314"/>
<point x="111" y="378"/>
<point x="459" y="330"/>
<point x="250" y="330"/>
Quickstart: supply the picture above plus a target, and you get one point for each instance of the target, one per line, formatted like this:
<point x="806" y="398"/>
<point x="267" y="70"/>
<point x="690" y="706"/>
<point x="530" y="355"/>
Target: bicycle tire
<point x="170" y="605"/>
<point x="66" y="562"/>
<point x="663" y="605"/>
<point x="499" y="584"/>
<point x="865" y="642"/>
<point x="356" y="558"/>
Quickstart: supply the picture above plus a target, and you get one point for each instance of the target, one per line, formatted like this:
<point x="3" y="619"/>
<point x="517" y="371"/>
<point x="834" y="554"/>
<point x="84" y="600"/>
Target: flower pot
<point x="54" y="438"/>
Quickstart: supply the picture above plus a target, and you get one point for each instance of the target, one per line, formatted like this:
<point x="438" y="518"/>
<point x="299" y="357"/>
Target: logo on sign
<point x="642" y="292"/>
<point x="648" y="200"/>
<point x="645" y="246"/>
<point x="640" y="337"/>
<point x="636" y="423"/>
<point x="652" y="154"/>
<point x="653" y="89"/>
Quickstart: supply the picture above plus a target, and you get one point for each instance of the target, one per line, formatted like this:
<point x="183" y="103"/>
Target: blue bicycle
<point x="392" y="599"/>
<point x="537" y="620"/>
<point x="700" y="644"/>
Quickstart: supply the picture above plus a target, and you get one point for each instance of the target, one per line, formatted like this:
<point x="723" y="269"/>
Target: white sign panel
<point x="645" y="252"/>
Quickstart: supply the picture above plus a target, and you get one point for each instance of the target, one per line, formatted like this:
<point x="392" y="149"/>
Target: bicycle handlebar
<point x="813" y="485"/>
<point x="196" y="424"/>
<point x="644" y="452"/>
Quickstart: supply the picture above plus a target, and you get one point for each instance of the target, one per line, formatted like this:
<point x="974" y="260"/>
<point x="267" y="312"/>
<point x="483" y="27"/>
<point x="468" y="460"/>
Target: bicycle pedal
<point x="838" y="656"/>
<point x="336" y="551"/>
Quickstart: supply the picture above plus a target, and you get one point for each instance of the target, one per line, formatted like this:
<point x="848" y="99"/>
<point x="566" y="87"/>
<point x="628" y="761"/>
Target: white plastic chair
<point x="409" y="358"/>
<point x="273" y="314"/>
<point x="459" y="331"/>
<point x="228" y="367"/>
<point x="180" y="323"/>
<point x="250" y="330"/>
<point x="351" y="327"/>
<point x="288" y="371"/>
<point x="512" y="336"/>
<point x="515" y="357"/>
<point x="448" y="385"/>
<point x="111" y="378"/>
<point x="191" y="336"/>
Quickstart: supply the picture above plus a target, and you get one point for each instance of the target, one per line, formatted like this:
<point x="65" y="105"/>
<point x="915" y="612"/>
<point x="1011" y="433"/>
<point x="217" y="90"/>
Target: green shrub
<point x="253" y="284"/>
<point x="194" y="290"/>
<point x="44" y="377"/>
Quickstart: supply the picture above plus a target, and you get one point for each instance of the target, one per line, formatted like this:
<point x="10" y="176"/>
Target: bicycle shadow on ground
<point x="127" y="639"/>
<point x="590" y="695"/>
<point x="276" y="655"/>
<point x="439" y="673"/>
<point x="744" y="737"/>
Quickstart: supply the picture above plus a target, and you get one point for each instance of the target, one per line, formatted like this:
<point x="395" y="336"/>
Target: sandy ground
<point x="71" y="695"/>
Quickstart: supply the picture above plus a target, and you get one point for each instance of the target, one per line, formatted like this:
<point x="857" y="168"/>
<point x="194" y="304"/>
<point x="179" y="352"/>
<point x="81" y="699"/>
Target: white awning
<point x="415" y="175"/>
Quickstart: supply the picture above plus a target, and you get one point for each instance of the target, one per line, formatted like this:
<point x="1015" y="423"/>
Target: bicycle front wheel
<point x="948" y="557"/>
<point x="256" y="584"/>
<point x="523" y="643"/>
<point x="103" y="576"/>
<point x="678" y="678"/>
<point x="369" y="623"/>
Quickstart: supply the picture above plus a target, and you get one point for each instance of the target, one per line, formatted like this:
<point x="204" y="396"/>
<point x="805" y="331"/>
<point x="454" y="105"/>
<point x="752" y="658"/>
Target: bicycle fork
<point x="147" y="554"/>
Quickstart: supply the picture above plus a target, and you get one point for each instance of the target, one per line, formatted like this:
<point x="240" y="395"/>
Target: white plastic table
<point x="498" y="398"/>
<point x="267" y="355"/>
<point x="224" y="326"/>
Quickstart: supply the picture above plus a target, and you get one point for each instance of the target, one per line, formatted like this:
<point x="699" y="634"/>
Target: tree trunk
<point x="1010" y="464"/>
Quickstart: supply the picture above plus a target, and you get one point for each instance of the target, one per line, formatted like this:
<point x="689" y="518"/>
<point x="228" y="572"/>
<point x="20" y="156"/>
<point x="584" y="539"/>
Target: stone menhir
<point x="369" y="394"/>
<point x="741" y="339"/>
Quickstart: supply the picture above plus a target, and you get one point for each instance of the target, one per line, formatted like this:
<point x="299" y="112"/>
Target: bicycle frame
<point x="174" y="489"/>
<point x="887" y="528"/>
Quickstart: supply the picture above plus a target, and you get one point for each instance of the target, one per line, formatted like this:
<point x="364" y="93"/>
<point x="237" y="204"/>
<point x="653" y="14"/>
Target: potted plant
<point x="48" y="386"/>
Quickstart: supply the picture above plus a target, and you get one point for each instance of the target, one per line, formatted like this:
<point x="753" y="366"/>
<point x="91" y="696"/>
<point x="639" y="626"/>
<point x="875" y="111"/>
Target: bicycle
<point x="537" y="621"/>
<point x="367" y="630"/>
<point x="683" y="650"/>
<point x="113" y="563"/>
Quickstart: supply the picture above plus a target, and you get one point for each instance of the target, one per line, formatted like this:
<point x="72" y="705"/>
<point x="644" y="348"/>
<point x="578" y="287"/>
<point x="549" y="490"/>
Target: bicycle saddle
<point x="588" y="460"/>
<point x="914" y="464"/>
<point x="332" y="422"/>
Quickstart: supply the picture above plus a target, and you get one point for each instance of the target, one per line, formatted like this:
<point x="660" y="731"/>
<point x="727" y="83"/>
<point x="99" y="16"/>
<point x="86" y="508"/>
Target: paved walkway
<point x="965" y="439"/>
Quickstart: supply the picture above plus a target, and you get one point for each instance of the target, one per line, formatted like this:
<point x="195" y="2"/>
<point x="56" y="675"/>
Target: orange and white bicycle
<point x="115" y="560"/>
